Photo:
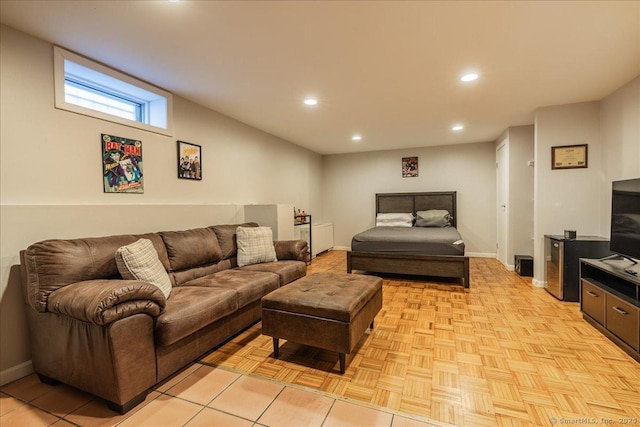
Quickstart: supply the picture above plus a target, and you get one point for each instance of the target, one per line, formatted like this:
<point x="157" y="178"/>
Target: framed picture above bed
<point x="409" y="167"/>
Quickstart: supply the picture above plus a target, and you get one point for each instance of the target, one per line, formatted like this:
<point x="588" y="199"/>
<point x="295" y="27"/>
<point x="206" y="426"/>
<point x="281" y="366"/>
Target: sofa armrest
<point x="104" y="301"/>
<point x="292" y="249"/>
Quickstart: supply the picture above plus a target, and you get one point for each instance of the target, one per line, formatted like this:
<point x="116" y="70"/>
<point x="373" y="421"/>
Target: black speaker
<point x="524" y="265"/>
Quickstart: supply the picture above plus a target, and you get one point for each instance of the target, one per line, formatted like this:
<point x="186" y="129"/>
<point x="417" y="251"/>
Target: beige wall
<point x="352" y="180"/>
<point x="566" y="199"/>
<point x="240" y="164"/>
<point x="51" y="180"/>
<point x="521" y="146"/>
<point x="580" y="199"/>
<point x="620" y="135"/>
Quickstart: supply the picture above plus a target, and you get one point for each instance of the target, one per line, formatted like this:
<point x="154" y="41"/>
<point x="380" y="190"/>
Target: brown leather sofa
<point x="116" y="338"/>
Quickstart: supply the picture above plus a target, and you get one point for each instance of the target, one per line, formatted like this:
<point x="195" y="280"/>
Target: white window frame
<point x="159" y="111"/>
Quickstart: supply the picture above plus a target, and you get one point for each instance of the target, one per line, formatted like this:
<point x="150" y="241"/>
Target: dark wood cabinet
<point x="592" y="301"/>
<point x="610" y="301"/>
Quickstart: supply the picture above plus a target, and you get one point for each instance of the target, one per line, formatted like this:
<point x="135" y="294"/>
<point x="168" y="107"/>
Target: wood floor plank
<point x="501" y="353"/>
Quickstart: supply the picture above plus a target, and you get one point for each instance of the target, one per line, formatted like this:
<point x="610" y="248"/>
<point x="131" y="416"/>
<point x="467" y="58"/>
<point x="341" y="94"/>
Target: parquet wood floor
<point x="502" y="353"/>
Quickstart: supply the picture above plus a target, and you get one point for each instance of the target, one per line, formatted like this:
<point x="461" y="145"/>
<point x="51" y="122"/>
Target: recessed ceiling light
<point x="469" y="77"/>
<point x="457" y="128"/>
<point x="310" y="101"/>
<point x="356" y="137"/>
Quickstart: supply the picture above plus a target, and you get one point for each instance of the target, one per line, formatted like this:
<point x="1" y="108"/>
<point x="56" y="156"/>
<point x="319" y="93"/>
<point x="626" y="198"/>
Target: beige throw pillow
<point x="255" y="245"/>
<point x="139" y="261"/>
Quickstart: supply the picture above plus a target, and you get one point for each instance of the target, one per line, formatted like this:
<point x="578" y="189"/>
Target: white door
<point x="502" y="175"/>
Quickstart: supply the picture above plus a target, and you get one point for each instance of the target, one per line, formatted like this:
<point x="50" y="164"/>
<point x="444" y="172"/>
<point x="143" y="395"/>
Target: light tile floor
<point x="199" y="395"/>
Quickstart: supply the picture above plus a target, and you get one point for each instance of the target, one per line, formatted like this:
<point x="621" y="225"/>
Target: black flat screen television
<point x="625" y="218"/>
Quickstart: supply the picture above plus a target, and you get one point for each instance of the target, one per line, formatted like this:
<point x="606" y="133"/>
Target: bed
<point x="404" y="250"/>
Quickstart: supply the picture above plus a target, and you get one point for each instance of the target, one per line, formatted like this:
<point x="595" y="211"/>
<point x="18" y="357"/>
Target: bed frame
<point x="451" y="266"/>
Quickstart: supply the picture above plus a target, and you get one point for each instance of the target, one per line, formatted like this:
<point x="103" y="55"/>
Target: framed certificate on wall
<point x="569" y="157"/>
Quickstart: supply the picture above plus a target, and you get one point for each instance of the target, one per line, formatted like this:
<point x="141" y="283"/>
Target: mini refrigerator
<point x="562" y="263"/>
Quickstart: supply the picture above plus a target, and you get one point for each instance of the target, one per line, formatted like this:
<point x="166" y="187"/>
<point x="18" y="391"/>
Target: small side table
<point x="304" y="220"/>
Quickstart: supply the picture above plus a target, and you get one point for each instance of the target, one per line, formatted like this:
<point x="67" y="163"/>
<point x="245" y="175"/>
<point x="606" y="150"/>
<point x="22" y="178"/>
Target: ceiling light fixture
<point x="310" y="101"/>
<point x="469" y="77"/>
<point x="457" y="128"/>
<point x="356" y="137"/>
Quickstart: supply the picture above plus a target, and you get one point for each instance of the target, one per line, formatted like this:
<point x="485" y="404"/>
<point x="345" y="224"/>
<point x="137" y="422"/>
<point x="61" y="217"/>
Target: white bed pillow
<point x="394" y="220"/>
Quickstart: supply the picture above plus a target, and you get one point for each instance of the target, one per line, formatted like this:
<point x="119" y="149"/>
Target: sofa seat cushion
<point x="191" y="308"/>
<point x="287" y="271"/>
<point x="183" y="276"/>
<point x="249" y="286"/>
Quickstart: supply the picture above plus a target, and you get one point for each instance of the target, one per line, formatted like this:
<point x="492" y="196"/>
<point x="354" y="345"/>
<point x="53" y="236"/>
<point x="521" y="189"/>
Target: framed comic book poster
<point x="122" y="165"/>
<point x="189" y="161"/>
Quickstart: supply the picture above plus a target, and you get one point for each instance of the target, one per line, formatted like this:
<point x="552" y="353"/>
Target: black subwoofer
<point x="524" y="265"/>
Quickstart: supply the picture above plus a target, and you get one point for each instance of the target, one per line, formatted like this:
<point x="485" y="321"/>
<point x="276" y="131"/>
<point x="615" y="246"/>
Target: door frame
<point x="502" y="183"/>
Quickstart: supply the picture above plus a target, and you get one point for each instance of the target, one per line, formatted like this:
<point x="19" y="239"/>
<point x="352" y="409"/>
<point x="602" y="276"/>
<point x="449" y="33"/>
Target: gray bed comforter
<point x="409" y="240"/>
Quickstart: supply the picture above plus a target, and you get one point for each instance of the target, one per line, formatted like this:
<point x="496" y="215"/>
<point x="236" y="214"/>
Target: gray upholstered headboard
<point x="413" y="202"/>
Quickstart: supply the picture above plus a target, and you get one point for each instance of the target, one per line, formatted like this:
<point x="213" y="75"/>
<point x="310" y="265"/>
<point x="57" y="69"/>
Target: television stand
<point x="610" y="302"/>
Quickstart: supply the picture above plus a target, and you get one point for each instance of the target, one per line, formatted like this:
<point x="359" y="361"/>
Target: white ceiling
<point x="388" y="70"/>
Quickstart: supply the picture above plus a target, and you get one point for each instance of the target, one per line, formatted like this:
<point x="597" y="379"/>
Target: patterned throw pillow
<point x="139" y="261"/>
<point x="255" y="245"/>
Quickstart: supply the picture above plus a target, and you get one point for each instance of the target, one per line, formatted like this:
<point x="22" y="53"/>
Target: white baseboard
<point x="538" y="283"/>
<point x="480" y="254"/>
<point x="16" y="372"/>
<point x="341" y="248"/>
<point x="510" y="267"/>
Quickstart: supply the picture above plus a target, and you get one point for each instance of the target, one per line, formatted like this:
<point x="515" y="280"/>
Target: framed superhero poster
<point x="122" y="165"/>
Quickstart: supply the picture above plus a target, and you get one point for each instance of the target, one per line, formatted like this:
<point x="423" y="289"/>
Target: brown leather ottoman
<point x="326" y="310"/>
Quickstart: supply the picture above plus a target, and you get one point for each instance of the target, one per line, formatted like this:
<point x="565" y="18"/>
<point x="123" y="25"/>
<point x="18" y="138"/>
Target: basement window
<point x="86" y="87"/>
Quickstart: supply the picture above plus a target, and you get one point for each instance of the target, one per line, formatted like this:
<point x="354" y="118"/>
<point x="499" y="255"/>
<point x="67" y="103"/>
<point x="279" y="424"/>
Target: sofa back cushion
<point x="191" y="248"/>
<point x="52" y="264"/>
<point x="227" y="238"/>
